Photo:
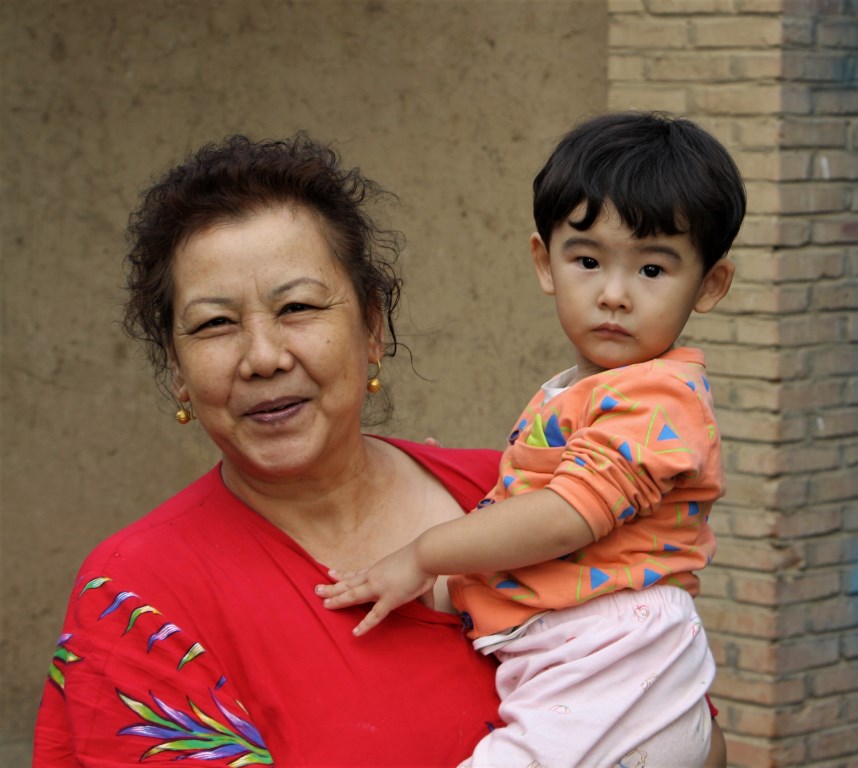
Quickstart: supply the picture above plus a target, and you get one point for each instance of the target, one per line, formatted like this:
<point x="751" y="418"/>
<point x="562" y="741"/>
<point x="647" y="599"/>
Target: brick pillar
<point x="775" y="80"/>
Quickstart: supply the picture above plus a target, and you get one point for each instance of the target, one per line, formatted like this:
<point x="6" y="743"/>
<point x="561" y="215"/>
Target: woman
<point x="263" y="292"/>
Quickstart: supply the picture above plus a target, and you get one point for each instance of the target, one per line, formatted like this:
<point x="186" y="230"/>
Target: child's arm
<point x="519" y="531"/>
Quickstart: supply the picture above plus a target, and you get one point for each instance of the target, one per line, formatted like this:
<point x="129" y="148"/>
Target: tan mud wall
<point x="453" y="104"/>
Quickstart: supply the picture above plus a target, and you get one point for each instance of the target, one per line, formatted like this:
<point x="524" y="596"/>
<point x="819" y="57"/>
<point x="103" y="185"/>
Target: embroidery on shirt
<point x="165" y="631"/>
<point x="197" y="735"/>
<point x="188" y="734"/>
<point x="64" y="656"/>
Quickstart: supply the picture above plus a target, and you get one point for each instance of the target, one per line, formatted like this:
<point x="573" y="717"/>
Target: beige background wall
<point x="453" y="104"/>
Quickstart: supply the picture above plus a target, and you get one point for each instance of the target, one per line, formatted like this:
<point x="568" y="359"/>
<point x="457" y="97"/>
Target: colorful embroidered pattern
<point x="189" y="734"/>
<point x="197" y="735"/>
<point x="64" y="656"/>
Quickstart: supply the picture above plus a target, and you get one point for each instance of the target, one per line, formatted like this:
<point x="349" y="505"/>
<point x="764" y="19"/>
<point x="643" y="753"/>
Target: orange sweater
<point x="636" y="451"/>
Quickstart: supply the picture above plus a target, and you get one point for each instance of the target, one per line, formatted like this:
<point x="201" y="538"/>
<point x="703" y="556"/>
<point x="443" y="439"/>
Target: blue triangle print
<point x="693" y="508"/>
<point x="627" y="512"/>
<point x="608" y="403"/>
<point x="650" y="577"/>
<point x="671" y="548"/>
<point x="597" y="578"/>
<point x="667" y="433"/>
<point x="553" y="433"/>
<point x="626" y="451"/>
<point x="691" y="385"/>
<point x="508" y="584"/>
<point x="508" y="480"/>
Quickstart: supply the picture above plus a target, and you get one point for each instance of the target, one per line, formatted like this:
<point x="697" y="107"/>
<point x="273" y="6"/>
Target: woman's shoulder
<point x="157" y="535"/>
<point x="466" y="473"/>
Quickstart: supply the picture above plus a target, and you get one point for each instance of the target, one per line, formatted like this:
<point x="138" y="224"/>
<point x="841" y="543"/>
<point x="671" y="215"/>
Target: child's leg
<point x="589" y="685"/>
<point x="685" y="742"/>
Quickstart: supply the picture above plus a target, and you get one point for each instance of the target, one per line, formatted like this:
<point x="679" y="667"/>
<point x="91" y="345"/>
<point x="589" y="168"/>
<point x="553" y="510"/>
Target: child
<point x="581" y="559"/>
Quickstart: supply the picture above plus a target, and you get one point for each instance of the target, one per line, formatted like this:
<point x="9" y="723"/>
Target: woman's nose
<point x="264" y="352"/>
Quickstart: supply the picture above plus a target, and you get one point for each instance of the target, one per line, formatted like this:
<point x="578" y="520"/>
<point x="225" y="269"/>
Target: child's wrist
<point x="421" y="550"/>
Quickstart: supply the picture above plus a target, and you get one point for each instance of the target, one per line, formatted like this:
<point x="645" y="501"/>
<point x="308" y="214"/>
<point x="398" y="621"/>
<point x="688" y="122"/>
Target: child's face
<point x="622" y="299"/>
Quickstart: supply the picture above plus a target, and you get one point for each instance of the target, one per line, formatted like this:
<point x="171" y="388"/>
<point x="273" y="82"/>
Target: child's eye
<point x="588" y="262"/>
<point x="651" y="270"/>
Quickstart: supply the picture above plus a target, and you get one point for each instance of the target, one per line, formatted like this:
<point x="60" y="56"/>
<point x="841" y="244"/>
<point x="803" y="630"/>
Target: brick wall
<point x="777" y="82"/>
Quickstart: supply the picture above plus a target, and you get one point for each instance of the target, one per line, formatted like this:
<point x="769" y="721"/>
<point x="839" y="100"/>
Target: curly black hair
<point x="233" y="179"/>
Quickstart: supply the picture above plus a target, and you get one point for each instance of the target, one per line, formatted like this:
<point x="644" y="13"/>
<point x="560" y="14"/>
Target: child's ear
<point x="716" y="283"/>
<point x="542" y="263"/>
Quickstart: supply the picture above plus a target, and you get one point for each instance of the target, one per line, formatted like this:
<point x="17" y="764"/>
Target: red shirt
<point x="195" y="633"/>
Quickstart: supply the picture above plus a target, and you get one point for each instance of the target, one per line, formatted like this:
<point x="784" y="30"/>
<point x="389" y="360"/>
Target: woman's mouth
<point x="275" y="410"/>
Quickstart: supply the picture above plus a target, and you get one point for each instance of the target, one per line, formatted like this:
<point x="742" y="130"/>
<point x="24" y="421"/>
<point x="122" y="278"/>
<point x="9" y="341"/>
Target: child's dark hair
<point x="664" y="175"/>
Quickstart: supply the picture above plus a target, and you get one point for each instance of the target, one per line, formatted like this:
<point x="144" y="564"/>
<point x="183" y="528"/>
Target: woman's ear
<point x="376" y="336"/>
<point x="177" y="378"/>
<point x="542" y="263"/>
<point x="716" y="283"/>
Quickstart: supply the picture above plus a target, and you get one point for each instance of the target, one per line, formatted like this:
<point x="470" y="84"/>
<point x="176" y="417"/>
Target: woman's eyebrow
<point x="224" y="301"/>
<point x="207" y="300"/>
<point x="298" y="281"/>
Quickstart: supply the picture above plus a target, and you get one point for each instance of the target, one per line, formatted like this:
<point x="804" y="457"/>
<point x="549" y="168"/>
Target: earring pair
<point x="373" y="386"/>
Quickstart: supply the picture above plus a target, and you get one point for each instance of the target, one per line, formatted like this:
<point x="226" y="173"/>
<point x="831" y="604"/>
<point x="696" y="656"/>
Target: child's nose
<point x="614" y="294"/>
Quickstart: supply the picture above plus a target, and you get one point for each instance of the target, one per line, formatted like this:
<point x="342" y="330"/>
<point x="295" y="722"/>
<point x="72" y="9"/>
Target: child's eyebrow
<point x="644" y="248"/>
<point x="664" y="250"/>
<point x="571" y="242"/>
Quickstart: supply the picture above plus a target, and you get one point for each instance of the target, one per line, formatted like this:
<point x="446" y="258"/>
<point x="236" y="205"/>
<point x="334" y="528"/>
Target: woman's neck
<point x="331" y="513"/>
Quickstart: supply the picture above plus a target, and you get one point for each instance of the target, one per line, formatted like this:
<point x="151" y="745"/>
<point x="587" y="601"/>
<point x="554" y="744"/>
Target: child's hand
<point x="391" y="582"/>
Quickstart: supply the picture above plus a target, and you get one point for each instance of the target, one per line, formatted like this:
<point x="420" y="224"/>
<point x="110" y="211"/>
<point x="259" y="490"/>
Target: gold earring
<point x="184" y="415"/>
<point x="373" y="386"/>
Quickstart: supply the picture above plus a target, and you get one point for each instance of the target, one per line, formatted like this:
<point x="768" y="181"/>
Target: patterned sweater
<point x="636" y="451"/>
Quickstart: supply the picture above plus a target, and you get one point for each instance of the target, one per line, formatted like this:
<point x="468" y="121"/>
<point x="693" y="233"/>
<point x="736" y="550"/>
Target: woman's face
<point x="269" y="343"/>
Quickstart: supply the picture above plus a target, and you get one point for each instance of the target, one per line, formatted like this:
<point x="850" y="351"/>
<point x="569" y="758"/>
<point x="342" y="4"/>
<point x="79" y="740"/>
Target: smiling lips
<point x="270" y="410"/>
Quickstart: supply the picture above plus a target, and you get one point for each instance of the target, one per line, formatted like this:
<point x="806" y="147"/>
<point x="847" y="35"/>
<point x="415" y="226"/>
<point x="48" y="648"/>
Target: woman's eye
<point x="651" y="270"/>
<point x="213" y="323"/>
<point x="294" y="306"/>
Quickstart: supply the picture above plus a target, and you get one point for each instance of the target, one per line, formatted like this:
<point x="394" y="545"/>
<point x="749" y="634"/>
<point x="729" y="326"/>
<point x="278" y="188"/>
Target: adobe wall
<point x="454" y="110"/>
<point x="451" y="105"/>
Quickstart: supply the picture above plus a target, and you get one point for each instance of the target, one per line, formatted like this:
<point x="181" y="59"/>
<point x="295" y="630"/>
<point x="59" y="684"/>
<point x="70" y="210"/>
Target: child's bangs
<point x="646" y="204"/>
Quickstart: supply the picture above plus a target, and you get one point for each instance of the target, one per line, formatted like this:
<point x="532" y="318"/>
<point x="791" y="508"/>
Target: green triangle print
<point x="660" y="429"/>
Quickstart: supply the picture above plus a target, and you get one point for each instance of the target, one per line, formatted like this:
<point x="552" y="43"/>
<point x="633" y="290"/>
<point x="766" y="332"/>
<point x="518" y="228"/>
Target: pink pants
<point x="617" y="681"/>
